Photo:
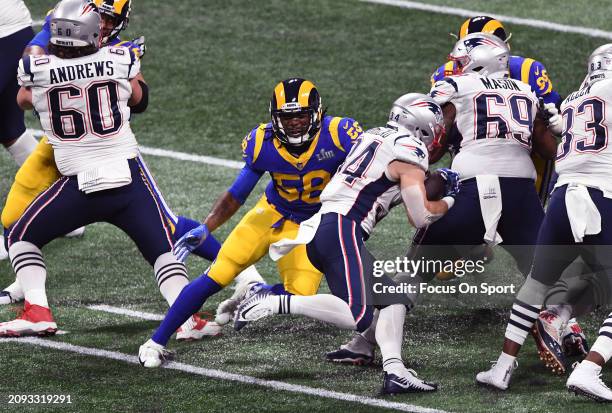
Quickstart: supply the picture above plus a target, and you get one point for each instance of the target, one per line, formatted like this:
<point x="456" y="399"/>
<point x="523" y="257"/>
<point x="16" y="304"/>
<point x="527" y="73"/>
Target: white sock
<point x="29" y="266"/>
<point x="23" y="147"/>
<point x="505" y="360"/>
<point x="323" y="307"/>
<point x="370" y="333"/>
<point x="171" y="276"/>
<point x="15" y="290"/>
<point x="603" y="344"/>
<point x="590" y="366"/>
<point x="249" y="275"/>
<point x="390" y="335"/>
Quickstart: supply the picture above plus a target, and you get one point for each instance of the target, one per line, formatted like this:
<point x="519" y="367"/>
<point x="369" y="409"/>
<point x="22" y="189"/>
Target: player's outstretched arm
<point x="224" y="208"/>
<point x="421" y="212"/>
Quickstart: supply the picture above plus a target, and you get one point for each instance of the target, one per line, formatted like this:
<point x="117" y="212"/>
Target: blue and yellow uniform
<point x="291" y="197"/>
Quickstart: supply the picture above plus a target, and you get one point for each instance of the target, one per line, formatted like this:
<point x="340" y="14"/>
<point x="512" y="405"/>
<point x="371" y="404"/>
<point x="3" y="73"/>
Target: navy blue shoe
<point x="344" y="355"/>
<point x="409" y="383"/>
<point x="549" y="328"/>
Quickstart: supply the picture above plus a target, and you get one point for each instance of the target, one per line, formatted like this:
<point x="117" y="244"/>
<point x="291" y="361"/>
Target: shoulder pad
<point x="407" y="148"/>
<point x="343" y="131"/>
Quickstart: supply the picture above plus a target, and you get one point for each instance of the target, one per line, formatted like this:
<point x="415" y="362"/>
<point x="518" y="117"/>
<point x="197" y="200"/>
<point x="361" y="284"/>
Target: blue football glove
<point x="452" y="181"/>
<point x="189" y="242"/>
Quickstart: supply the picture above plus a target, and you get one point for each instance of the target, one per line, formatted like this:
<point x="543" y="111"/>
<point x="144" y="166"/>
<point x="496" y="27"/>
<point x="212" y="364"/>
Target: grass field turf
<point x="211" y="68"/>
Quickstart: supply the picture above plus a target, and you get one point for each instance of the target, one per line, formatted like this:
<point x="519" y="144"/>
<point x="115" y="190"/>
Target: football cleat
<point x="151" y="354"/>
<point x="549" y="327"/>
<point x="195" y="328"/>
<point x="497" y="376"/>
<point x="585" y="381"/>
<point x="3" y="251"/>
<point x="574" y="341"/>
<point x="358" y="352"/>
<point x="35" y="320"/>
<point x="255" y="307"/>
<point x="226" y="309"/>
<point x="406" y="383"/>
<point x="7" y="298"/>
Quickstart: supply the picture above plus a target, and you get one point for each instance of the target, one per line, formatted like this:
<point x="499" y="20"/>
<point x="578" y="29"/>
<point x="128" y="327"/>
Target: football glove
<point x="140" y="43"/>
<point x="555" y="120"/>
<point x="189" y="242"/>
<point x="451" y="178"/>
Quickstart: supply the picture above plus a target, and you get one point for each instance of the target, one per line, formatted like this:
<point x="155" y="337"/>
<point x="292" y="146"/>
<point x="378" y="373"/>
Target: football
<point x="434" y="186"/>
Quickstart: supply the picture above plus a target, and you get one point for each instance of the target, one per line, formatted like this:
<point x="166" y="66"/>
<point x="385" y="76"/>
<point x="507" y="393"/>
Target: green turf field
<point x="211" y="67"/>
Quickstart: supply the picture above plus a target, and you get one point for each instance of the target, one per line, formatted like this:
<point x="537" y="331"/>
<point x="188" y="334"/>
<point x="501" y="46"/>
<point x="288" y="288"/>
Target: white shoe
<point x="12" y="294"/>
<point x="497" y="376"/>
<point x="3" y="251"/>
<point x="196" y="328"/>
<point x="586" y="381"/>
<point x="255" y="307"/>
<point x="226" y="309"/>
<point x="76" y="233"/>
<point x="151" y="354"/>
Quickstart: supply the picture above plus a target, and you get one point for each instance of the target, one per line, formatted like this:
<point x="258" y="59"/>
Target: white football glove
<point x="555" y="120"/>
<point x="225" y="311"/>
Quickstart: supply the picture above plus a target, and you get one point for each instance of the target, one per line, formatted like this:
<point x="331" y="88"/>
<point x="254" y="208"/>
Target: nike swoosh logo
<point x="403" y="386"/>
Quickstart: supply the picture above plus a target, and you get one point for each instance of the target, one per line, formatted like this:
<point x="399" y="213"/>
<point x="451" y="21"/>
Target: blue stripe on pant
<point x="336" y="251"/>
<point x="62" y="208"/>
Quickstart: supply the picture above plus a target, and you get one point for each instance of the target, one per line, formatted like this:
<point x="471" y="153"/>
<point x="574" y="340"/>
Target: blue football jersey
<point x="297" y="181"/>
<point x="526" y="70"/>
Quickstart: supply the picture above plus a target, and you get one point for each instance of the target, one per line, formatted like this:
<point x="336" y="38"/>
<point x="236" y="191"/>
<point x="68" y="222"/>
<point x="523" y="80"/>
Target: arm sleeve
<point x="134" y="65"/>
<point x="349" y="131"/>
<point x="444" y="90"/>
<point x="244" y="183"/>
<point x="41" y="39"/>
<point x="24" y="73"/>
<point x="541" y="83"/>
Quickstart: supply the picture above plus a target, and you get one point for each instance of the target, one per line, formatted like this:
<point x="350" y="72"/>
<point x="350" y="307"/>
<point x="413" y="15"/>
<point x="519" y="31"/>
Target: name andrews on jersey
<point x="81" y="71"/>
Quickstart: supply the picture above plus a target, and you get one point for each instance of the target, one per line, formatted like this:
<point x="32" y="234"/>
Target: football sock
<point x="505" y="360"/>
<point x="603" y="344"/>
<point x="370" y="333"/>
<point x="276" y="289"/>
<point x="249" y="275"/>
<point x="390" y="335"/>
<point x="28" y="264"/>
<point x="323" y="307"/>
<point x="189" y="301"/>
<point x="209" y="248"/>
<point x="23" y="147"/>
<point x="171" y="276"/>
<point x="522" y="318"/>
<point x="15" y="290"/>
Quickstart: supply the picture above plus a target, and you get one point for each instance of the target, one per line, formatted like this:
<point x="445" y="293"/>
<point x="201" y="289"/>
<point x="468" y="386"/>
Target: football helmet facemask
<point x="419" y="115"/>
<point x="296" y="112"/>
<point x="119" y="11"/>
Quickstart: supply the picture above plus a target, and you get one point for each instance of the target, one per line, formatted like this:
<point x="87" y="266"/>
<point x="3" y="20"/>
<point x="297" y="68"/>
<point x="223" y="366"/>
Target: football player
<point x="301" y="148"/>
<point x="101" y="179"/>
<point x="576" y="224"/>
<point x="40" y="171"/>
<point x="15" y="32"/>
<point x="387" y="161"/>
<point x="525" y="69"/>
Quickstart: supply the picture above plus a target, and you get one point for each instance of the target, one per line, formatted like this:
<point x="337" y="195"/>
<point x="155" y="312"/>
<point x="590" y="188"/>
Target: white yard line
<point x="183" y="156"/>
<point x="222" y="375"/>
<point x="538" y="24"/>
<point x="124" y="311"/>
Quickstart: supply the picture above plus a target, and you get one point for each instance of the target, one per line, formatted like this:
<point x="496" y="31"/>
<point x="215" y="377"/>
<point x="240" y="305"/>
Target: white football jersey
<point x="361" y="189"/>
<point x="82" y="104"/>
<point x="584" y="155"/>
<point x="495" y="119"/>
<point x="14" y="16"/>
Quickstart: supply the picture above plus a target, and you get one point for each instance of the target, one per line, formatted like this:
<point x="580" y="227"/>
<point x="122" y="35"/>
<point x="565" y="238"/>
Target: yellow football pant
<point x="249" y="242"/>
<point x="36" y="174"/>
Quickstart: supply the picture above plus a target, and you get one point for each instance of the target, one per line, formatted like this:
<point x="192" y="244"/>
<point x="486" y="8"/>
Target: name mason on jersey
<point x="81" y="71"/>
<point x="499" y="83"/>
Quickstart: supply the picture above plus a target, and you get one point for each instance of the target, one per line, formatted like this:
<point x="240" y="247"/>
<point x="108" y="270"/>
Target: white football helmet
<point x="419" y="115"/>
<point x="481" y="53"/>
<point x="75" y="23"/>
<point x="600" y="62"/>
